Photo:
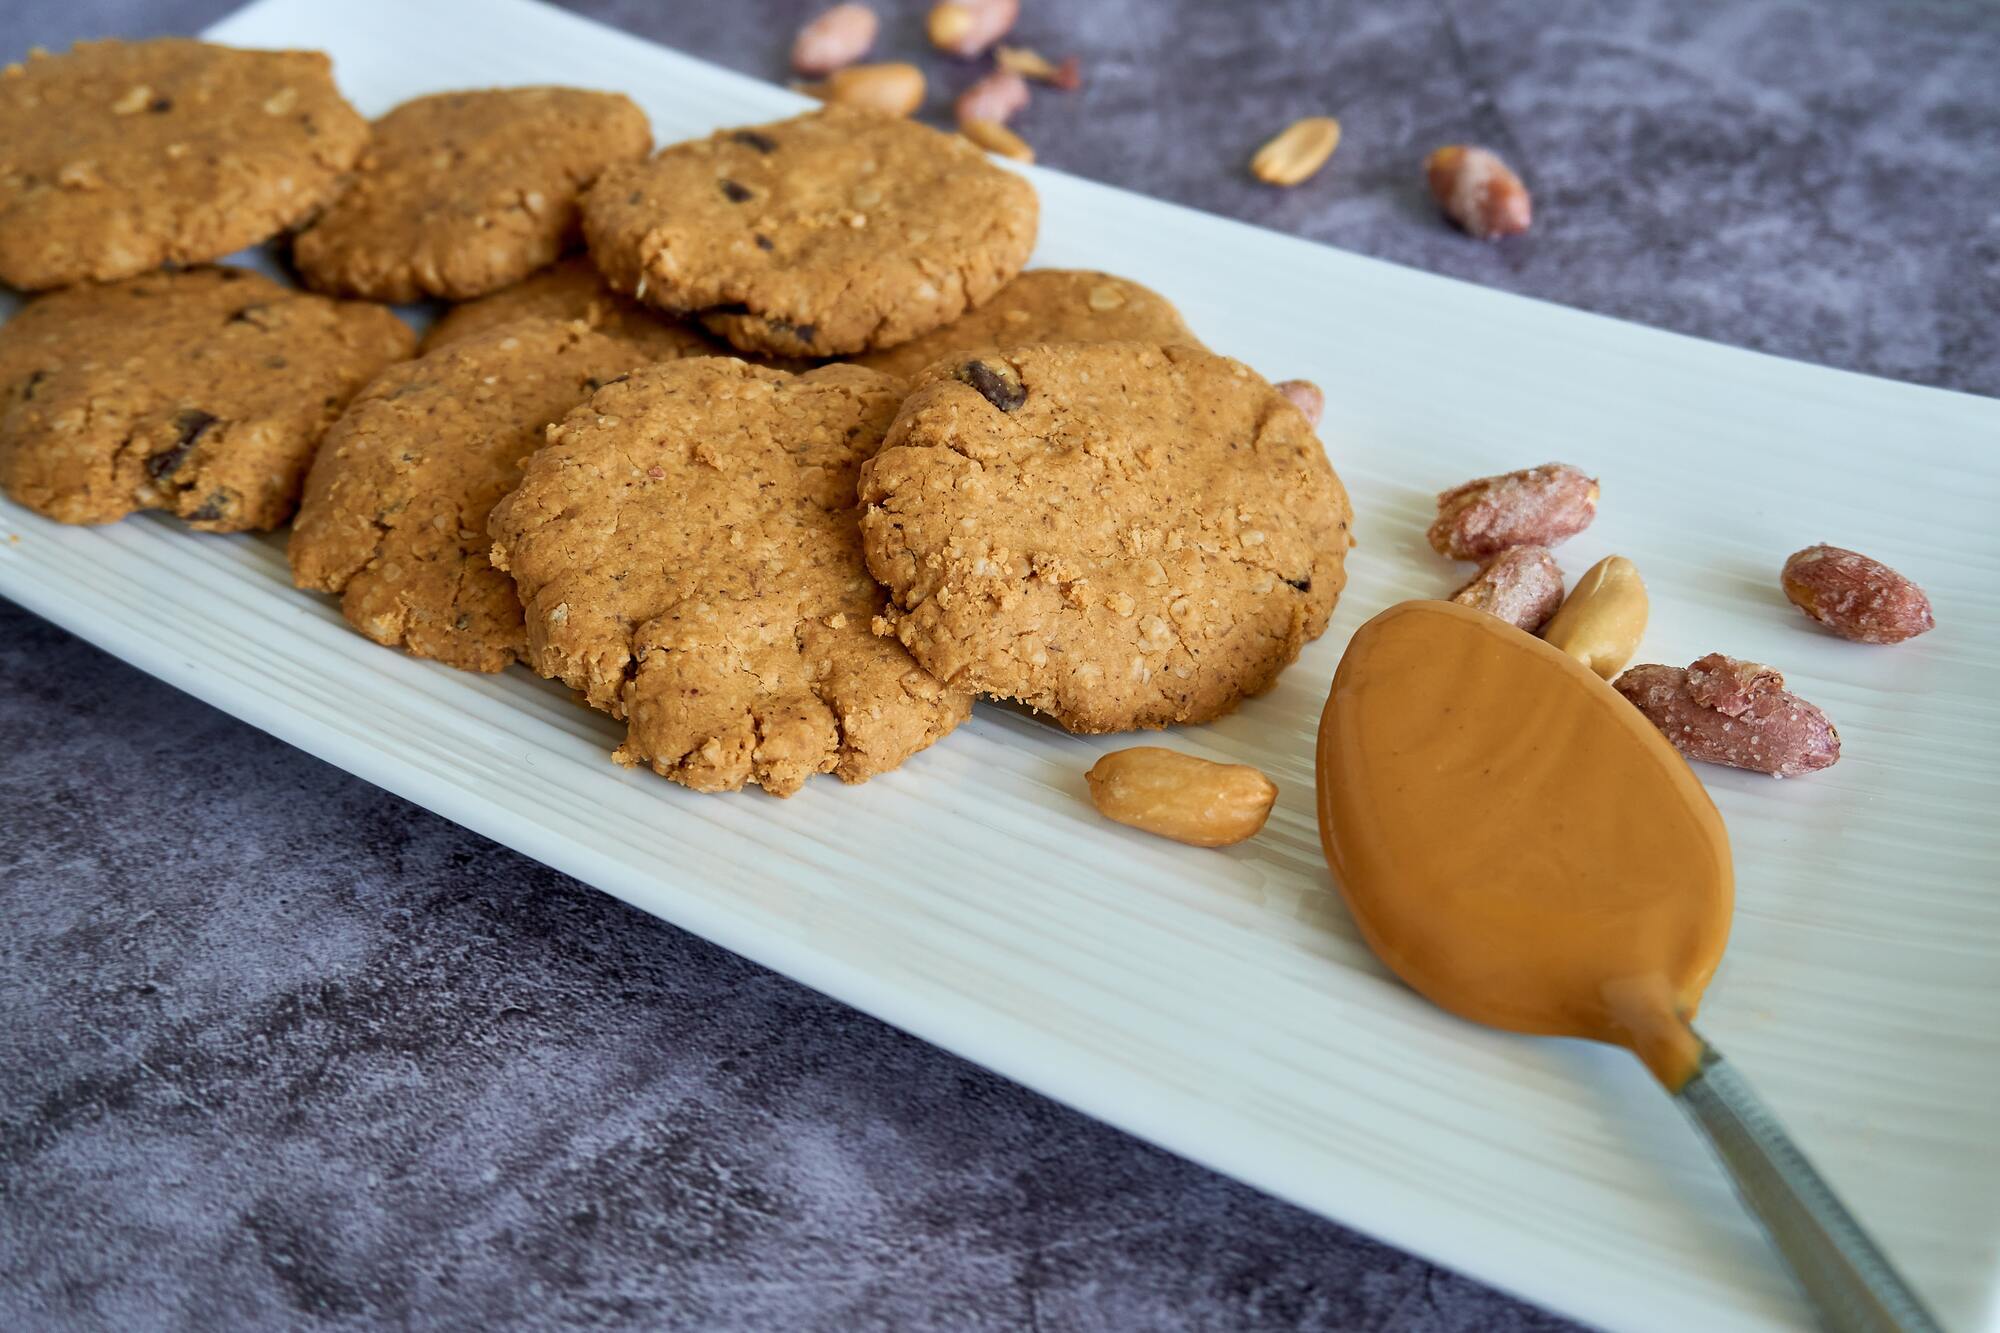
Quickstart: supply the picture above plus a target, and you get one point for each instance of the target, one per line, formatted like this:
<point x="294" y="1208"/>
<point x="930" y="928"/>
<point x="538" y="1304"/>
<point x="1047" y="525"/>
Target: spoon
<point x="1525" y="850"/>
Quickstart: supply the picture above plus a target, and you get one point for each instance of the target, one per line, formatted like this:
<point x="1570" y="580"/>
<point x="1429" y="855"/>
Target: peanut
<point x="834" y="40"/>
<point x="1297" y="152"/>
<point x="892" y="89"/>
<point x="1305" y="396"/>
<point x="967" y="27"/>
<point x="1478" y="191"/>
<point x="996" y="98"/>
<point x="1537" y="506"/>
<point x="1179" y="796"/>
<point x="1601" y="623"/>
<point x="1522" y="586"/>
<point x="1032" y="64"/>
<point x="1722" y="710"/>
<point x="1855" y="597"/>
<point x="997" y="138"/>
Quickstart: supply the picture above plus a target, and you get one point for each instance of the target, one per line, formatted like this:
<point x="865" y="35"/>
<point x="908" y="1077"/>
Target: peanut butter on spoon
<point x="1516" y="841"/>
<point x="1520" y="845"/>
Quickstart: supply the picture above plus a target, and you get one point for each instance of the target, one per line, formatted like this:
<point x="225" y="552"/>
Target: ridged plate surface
<point x="1219" y="1003"/>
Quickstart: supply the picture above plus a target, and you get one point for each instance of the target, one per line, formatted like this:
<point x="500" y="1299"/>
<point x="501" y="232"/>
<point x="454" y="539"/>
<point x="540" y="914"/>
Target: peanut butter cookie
<point x="686" y="549"/>
<point x="462" y="193"/>
<point x="394" y="514"/>
<point x="1045" y="305"/>
<point x="832" y="233"/>
<point x="573" y="289"/>
<point x="202" y="393"/>
<point x="122" y="156"/>
<point x="1119" y="534"/>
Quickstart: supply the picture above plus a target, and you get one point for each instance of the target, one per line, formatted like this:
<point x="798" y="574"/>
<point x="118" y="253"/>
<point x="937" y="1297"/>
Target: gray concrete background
<point x="278" y="1049"/>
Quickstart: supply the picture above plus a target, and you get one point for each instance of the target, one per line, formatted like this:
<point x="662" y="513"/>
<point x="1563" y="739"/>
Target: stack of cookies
<point x="763" y="443"/>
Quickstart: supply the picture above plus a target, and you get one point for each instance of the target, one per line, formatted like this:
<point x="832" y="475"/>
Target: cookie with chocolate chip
<point x="686" y="550"/>
<point x="118" y="157"/>
<point x="833" y="233"/>
<point x="202" y="393"/>
<point x="460" y="194"/>
<point x="1045" y="305"/>
<point x="394" y="515"/>
<point x="1118" y="534"/>
<point x="573" y="289"/>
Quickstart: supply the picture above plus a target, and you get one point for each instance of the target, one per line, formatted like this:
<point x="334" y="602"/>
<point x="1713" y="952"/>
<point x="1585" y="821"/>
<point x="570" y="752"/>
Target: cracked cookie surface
<point x="686" y="550"/>
<point x="394" y="515"/>
<point x="118" y="157"/>
<point x="203" y="393"/>
<point x="460" y="194"/>
<point x="832" y="233"/>
<point x="573" y="289"/>
<point x="1118" y="534"/>
<point x="1045" y="305"/>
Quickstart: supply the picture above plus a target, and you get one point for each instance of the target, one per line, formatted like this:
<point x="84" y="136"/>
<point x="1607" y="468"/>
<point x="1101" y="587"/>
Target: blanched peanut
<point x="1297" y="152"/>
<point x="997" y="138"/>
<point x="967" y="27"/>
<point x="893" y="89"/>
<point x="1179" y="796"/>
<point x="1605" y="617"/>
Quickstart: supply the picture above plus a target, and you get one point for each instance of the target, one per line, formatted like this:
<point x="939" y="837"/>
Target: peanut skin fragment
<point x="1723" y="710"/>
<point x="1537" y="506"/>
<point x="1180" y="796"/>
<point x="1522" y="585"/>
<point x="1856" y="597"/>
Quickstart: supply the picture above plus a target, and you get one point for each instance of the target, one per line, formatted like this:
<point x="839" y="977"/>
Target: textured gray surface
<point x="280" y="1049"/>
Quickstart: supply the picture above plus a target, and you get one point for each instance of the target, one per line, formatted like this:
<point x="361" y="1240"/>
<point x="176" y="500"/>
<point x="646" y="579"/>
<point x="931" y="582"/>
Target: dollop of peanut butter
<point x="1516" y="841"/>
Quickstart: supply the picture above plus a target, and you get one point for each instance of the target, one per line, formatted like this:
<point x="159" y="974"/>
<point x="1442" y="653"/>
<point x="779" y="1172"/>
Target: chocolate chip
<point x="191" y="423"/>
<point x="160" y="104"/>
<point x="735" y="193"/>
<point x="998" y="383"/>
<point x="214" y="507"/>
<point x="763" y="143"/>
<point x="764" y="242"/>
<point x="1303" y="585"/>
<point x="803" y="332"/>
<point x="29" y="385"/>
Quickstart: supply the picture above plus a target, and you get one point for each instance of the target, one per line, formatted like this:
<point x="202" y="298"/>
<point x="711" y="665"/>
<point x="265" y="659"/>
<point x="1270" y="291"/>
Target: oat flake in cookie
<point x="573" y="289"/>
<point x="686" y="549"/>
<point x="122" y="156"/>
<point x="1119" y="534"/>
<point x="202" y="393"/>
<point x="833" y="233"/>
<point x="1045" y="305"/>
<point x="394" y="514"/>
<point x="460" y="194"/>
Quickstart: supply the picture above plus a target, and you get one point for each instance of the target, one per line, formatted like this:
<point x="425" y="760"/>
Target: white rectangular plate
<point x="1219" y="1003"/>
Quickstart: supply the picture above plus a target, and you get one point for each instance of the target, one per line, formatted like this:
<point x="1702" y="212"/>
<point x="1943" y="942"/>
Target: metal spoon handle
<point x="1850" y="1280"/>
